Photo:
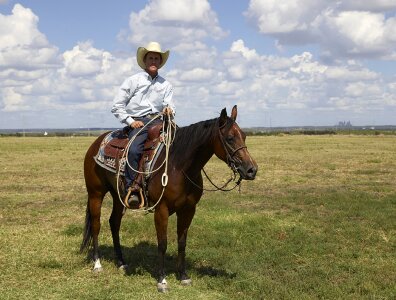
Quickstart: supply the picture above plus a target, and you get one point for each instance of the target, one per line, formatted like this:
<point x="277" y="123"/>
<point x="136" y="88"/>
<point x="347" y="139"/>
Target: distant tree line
<point x="321" y="132"/>
<point x="340" y="130"/>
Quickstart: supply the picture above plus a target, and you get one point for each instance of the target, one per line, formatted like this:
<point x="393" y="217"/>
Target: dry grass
<point x="318" y="222"/>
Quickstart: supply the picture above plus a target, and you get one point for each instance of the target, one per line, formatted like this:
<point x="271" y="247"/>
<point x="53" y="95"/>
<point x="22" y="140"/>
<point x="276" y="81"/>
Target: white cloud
<point x="239" y="46"/>
<point x="368" y="5"/>
<point x="300" y="83"/>
<point x="237" y="71"/>
<point x="35" y="77"/>
<point x="12" y="101"/>
<point x="358" y="33"/>
<point x="14" y="77"/>
<point x="360" y="28"/>
<point x="305" y="63"/>
<point x="28" y="58"/>
<point x="20" y="28"/>
<point x="286" y="16"/>
<point x="22" y="45"/>
<point x="194" y="11"/>
<point x="197" y="74"/>
<point x="174" y="23"/>
<point x="362" y="89"/>
<point x="347" y="73"/>
<point x="225" y="88"/>
<point x="84" y="60"/>
<point x="340" y="28"/>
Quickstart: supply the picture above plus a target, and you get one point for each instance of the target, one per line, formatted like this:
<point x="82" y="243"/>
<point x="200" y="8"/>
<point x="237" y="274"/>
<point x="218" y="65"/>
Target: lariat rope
<point x="168" y="140"/>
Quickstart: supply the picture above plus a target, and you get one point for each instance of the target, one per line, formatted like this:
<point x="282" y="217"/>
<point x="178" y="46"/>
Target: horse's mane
<point x="190" y="138"/>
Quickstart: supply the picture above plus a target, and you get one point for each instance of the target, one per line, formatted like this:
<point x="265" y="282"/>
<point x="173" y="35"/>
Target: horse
<point x="191" y="149"/>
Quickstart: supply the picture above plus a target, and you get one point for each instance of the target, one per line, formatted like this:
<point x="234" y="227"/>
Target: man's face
<point x="152" y="61"/>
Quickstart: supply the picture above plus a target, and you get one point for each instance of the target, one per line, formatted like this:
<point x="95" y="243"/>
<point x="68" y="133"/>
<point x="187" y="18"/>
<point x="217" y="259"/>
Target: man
<point x="139" y="99"/>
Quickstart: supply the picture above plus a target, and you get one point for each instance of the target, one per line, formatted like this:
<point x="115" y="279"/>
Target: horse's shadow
<point x="143" y="257"/>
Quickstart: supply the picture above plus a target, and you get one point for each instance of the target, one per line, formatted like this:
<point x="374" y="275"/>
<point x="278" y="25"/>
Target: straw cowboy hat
<point x="151" y="47"/>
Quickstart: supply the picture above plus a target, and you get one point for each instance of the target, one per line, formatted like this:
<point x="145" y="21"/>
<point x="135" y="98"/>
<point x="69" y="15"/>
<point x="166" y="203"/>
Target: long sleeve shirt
<point x="140" y="95"/>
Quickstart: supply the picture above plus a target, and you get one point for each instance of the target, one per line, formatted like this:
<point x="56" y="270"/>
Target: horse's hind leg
<point x="115" y="223"/>
<point x="95" y="200"/>
<point x="161" y="216"/>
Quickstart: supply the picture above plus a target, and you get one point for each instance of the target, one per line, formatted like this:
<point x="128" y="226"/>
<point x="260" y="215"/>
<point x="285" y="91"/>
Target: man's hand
<point x="167" y="111"/>
<point x="137" y="124"/>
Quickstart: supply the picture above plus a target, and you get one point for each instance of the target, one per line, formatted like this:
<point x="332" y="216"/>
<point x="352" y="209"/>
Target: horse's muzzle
<point x="248" y="171"/>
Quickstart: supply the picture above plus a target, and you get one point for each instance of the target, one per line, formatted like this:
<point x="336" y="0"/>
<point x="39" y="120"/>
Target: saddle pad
<point x="111" y="154"/>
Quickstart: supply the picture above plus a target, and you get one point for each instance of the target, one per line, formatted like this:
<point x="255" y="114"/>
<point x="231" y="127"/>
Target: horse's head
<point x="230" y="146"/>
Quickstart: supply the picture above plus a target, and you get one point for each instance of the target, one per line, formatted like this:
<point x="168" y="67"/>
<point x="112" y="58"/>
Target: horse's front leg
<point x="184" y="218"/>
<point x="161" y="217"/>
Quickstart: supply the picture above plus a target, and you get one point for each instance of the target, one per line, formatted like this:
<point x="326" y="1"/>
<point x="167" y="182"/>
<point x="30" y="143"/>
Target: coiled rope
<point x="168" y="137"/>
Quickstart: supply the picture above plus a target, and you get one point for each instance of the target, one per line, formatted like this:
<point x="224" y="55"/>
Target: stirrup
<point x="126" y="198"/>
<point x="139" y="195"/>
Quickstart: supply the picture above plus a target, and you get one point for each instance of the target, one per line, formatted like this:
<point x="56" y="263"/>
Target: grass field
<point x="319" y="222"/>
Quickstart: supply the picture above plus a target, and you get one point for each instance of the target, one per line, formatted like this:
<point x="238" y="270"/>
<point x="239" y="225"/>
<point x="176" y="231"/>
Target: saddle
<point x="113" y="157"/>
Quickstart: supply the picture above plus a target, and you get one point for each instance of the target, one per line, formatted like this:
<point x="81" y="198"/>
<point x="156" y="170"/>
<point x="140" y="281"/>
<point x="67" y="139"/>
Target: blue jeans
<point x="136" y="149"/>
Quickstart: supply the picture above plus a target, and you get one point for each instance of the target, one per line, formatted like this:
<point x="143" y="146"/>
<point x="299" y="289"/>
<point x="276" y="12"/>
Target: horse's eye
<point x="229" y="138"/>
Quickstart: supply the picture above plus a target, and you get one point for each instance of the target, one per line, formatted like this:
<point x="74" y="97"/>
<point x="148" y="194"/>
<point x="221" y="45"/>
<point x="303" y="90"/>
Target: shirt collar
<point x="152" y="79"/>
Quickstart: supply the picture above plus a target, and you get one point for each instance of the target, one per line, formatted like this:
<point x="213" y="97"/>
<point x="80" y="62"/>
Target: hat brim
<point x="141" y="52"/>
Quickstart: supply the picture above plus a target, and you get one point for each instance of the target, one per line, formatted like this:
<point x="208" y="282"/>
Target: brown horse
<point x="191" y="149"/>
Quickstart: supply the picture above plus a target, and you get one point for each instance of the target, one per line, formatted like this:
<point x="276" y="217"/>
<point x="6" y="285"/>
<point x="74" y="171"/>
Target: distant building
<point x="344" y="124"/>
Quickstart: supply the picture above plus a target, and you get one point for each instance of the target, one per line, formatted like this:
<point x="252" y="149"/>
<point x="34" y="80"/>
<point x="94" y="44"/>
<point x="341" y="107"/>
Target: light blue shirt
<point x="140" y="95"/>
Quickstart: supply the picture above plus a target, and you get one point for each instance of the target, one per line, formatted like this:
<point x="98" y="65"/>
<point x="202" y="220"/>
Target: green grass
<point x="319" y="222"/>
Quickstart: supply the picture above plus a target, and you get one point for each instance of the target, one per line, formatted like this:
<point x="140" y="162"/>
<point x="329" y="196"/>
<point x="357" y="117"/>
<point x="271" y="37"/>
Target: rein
<point x="217" y="188"/>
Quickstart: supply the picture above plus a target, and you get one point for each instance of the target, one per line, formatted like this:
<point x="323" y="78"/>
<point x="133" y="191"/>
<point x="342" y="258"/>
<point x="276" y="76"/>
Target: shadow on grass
<point x="142" y="258"/>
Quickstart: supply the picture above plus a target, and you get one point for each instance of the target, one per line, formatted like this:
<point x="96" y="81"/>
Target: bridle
<point x="230" y="151"/>
<point x="231" y="163"/>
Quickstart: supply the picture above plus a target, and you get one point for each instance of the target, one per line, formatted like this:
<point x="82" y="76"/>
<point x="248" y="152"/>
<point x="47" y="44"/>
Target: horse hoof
<point x="162" y="286"/>
<point x="123" y="268"/>
<point x="186" y="282"/>
<point x="98" y="266"/>
<point x="97" y="270"/>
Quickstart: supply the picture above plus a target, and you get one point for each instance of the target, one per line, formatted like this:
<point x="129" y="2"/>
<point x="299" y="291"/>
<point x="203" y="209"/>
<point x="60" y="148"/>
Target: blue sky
<point x="284" y="63"/>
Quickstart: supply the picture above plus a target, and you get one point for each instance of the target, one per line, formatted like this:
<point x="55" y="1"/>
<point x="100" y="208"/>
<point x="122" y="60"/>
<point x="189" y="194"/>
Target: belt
<point x="148" y="116"/>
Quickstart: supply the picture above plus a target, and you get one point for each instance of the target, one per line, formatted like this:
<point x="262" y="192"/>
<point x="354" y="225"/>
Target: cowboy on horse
<point x="139" y="100"/>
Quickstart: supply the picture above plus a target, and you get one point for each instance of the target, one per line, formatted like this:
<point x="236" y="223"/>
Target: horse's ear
<point x="234" y="113"/>
<point x="223" y="117"/>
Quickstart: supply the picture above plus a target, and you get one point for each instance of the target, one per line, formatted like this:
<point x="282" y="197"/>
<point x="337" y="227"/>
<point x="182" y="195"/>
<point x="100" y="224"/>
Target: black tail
<point x="87" y="234"/>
